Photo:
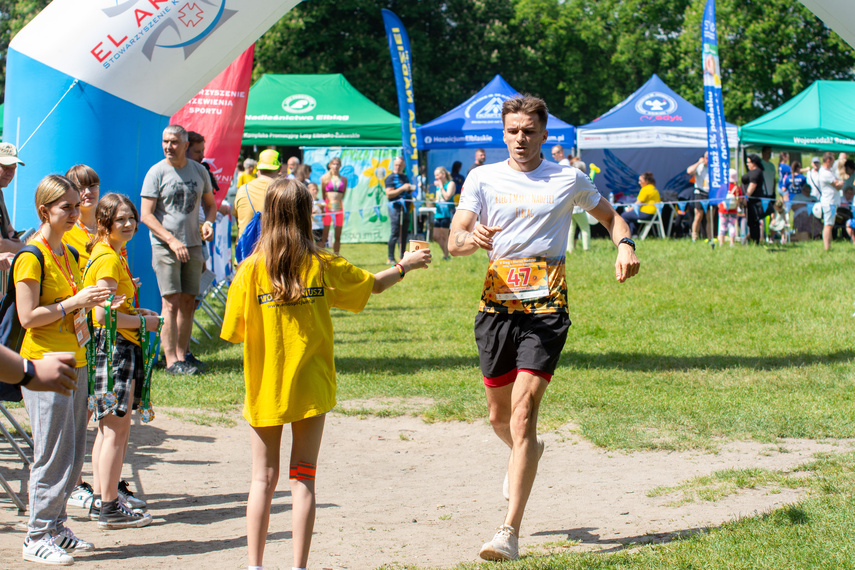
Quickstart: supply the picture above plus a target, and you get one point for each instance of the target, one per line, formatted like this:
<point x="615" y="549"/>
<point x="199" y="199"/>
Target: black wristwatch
<point x="29" y="373"/>
<point x="628" y="242"/>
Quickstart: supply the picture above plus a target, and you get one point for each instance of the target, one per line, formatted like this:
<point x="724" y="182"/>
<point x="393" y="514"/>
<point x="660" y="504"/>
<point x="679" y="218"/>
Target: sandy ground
<point x="401" y="491"/>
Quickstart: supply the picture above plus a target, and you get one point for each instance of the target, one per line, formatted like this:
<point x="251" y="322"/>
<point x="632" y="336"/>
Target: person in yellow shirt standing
<point x="645" y="204"/>
<point x="52" y="306"/>
<point x="120" y="365"/>
<point x="89" y="185"/>
<point x="250" y="196"/>
<point x="248" y="173"/>
<point x="279" y="308"/>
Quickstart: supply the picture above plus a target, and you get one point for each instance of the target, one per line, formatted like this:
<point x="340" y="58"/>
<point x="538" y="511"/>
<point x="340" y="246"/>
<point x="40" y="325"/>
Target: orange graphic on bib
<point x="531" y="285"/>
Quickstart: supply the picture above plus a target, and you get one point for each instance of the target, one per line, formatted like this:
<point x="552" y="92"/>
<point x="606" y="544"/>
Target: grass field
<point x="704" y="346"/>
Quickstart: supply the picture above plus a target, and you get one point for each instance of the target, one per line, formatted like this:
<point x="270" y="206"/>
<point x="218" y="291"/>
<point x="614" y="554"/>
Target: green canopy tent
<point x="822" y="117"/>
<point x="317" y="111"/>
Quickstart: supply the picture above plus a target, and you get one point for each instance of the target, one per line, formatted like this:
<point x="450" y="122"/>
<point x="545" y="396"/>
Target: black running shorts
<point x="508" y="342"/>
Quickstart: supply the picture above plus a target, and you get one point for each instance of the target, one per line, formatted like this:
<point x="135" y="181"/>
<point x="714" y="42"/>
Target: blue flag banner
<point x="399" y="48"/>
<point x="719" y="154"/>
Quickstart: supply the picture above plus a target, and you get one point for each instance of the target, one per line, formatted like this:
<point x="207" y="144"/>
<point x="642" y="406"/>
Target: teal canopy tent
<point x="822" y="117"/>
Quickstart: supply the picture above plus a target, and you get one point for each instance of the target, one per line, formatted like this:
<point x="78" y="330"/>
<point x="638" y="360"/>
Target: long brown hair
<point x="286" y="239"/>
<point x="105" y="216"/>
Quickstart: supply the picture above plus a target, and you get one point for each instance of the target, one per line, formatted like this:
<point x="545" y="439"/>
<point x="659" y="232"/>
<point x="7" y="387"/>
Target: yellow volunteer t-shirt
<point x="105" y="263"/>
<point x="257" y="190"/>
<point x="245" y="177"/>
<point x="77" y="237"/>
<point x="288" y="360"/>
<point x="57" y="336"/>
<point x="650" y="195"/>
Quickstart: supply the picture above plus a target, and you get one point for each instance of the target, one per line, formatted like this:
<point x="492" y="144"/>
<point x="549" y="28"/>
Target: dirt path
<point x="400" y="491"/>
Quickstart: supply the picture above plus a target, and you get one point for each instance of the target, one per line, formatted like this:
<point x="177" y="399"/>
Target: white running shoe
<point x="504" y="545"/>
<point x="81" y="496"/>
<point x="505" y="492"/>
<point x="45" y="551"/>
<point x="66" y="540"/>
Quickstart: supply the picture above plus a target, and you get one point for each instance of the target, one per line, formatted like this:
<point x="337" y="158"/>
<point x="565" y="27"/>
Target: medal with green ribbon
<point x="110" y="319"/>
<point x="149" y="349"/>
<point x="92" y="401"/>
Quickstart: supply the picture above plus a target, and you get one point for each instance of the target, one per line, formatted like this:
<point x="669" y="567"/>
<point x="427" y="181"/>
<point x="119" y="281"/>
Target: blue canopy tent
<point x="477" y="123"/>
<point x="655" y="130"/>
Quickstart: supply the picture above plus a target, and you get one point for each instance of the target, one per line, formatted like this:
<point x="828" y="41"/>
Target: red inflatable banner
<point x="218" y="112"/>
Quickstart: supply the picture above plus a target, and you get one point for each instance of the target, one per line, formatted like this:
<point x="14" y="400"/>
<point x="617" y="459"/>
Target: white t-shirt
<point x="702" y="178"/>
<point x="812" y="178"/>
<point x="829" y="194"/>
<point x="534" y="210"/>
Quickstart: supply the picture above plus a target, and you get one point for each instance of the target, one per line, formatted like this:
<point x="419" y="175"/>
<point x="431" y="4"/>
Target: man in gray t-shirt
<point x="172" y="192"/>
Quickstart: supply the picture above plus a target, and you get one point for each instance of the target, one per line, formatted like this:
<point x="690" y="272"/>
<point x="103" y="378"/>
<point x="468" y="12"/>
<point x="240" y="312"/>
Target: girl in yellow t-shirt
<point x="55" y="319"/>
<point x="89" y="185"/>
<point x="117" y="221"/>
<point x="279" y="307"/>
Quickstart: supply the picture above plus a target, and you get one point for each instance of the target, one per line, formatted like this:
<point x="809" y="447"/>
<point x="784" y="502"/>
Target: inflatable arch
<point x="95" y="82"/>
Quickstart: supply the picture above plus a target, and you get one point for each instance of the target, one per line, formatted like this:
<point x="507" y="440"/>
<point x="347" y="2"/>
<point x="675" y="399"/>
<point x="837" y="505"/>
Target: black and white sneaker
<point x="66" y="540"/>
<point x="116" y="515"/>
<point x="126" y="494"/>
<point x="45" y="551"/>
<point x="81" y="496"/>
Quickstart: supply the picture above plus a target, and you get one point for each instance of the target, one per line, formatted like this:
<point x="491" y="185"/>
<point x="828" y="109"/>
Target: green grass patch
<point x="703" y="347"/>
<point x="720" y="484"/>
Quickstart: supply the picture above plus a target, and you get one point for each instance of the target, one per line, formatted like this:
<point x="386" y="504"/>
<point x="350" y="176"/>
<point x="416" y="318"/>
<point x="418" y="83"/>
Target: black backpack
<point x="11" y="331"/>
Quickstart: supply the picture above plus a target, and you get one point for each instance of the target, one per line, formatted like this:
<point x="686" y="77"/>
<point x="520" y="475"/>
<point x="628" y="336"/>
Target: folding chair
<point x="656" y="220"/>
<point x="17" y="448"/>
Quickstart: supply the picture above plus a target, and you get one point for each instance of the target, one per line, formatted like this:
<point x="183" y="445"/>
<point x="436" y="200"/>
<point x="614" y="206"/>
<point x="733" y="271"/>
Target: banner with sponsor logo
<point x="719" y="154"/>
<point x="402" y="64"/>
<point x="366" y="218"/>
<point x="315" y="110"/>
<point x="217" y="112"/>
<point x="96" y="81"/>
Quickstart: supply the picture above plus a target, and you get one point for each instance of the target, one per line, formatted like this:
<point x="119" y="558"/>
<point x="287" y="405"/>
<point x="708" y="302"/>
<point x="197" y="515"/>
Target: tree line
<point x="581" y="56"/>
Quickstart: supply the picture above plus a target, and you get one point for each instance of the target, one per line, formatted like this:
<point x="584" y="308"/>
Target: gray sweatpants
<point x="59" y="436"/>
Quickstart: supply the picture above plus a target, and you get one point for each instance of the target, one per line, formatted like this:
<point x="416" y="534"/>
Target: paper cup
<point x="416" y="245"/>
<point x="60" y="354"/>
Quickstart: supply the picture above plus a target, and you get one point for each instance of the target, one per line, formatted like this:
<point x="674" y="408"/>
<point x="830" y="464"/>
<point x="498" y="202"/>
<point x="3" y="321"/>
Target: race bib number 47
<point x="520" y="279"/>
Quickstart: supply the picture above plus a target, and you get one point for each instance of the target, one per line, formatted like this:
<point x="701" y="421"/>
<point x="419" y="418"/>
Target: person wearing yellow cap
<point x="250" y="197"/>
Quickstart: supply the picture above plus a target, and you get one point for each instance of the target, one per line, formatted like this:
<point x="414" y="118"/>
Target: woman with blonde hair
<point x="279" y="307"/>
<point x="445" y="191"/>
<point x="333" y="186"/>
<point x="52" y="305"/>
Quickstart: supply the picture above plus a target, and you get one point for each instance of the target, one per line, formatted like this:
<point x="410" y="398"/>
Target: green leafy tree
<point x="770" y="50"/>
<point x="458" y="45"/>
<point x="13" y="17"/>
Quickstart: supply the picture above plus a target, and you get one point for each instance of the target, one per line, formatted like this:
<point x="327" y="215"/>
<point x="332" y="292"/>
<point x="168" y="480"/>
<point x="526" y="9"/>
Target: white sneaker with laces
<point x="505" y="485"/>
<point x="81" y="496"/>
<point x="504" y="545"/>
<point x="45" y="551"/>
<point x="126" y="494"/>
<point x="66" y="540"/>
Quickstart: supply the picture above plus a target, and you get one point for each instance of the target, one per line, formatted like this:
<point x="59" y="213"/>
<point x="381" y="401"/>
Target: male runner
<point x="519" y="210"/>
